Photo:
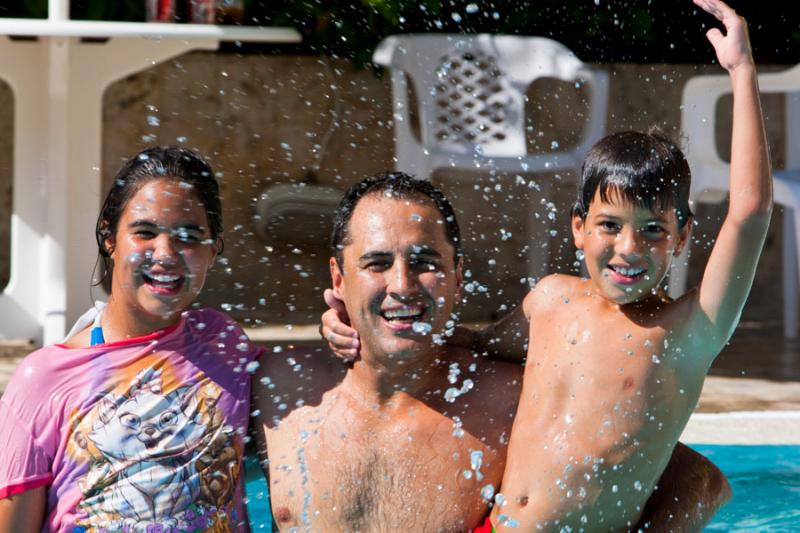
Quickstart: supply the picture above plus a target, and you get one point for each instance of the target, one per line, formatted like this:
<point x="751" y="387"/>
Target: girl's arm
<point x="24" y="512"/>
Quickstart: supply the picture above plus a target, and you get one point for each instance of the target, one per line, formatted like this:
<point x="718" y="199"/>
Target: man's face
<point x="627" y="249"/>
<point x="399" y="281"/>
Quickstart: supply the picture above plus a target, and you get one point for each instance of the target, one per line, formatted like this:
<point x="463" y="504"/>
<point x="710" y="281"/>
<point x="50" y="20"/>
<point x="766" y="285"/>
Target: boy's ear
<point x="684" y="234"/>
<point x="578" y="223"/>
<point x="337" y="278"/>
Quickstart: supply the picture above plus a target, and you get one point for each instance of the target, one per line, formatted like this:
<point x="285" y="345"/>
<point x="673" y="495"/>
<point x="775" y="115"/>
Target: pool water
<point x="765" y="482"/>
<point x="766" y="487"/>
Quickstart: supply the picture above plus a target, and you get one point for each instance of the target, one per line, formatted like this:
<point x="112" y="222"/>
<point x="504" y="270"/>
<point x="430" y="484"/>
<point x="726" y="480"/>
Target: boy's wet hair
<point x="647" y="169"/>
<point x="396" y="185"/>
<point x="163" y="162"/>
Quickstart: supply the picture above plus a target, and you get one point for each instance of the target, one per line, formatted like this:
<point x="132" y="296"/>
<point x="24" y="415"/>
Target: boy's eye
<point x="609" y="226"/>
<point x="653" y="229"/>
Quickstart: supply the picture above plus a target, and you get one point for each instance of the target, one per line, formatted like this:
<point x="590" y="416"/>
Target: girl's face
<point x="162" y="250"/>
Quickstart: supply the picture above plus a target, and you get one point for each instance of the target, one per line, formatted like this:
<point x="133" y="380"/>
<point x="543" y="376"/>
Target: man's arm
<point x="24" y="512"/>
<point x="691" y="490"/>
<point x="731" y="266"/>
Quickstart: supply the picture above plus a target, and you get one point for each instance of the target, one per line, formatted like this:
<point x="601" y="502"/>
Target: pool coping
<point x="743" y="427"/>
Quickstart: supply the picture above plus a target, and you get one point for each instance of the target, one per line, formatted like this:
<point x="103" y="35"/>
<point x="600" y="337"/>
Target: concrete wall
<point x="261" y="120"/>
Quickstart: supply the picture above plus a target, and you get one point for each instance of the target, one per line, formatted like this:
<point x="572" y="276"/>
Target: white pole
<point x="790" y="257"/>
<point x="58" y="10"/>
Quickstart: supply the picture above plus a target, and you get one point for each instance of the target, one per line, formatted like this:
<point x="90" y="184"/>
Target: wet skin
<point x="382" y="449"/>
<point x="161" y="253"/>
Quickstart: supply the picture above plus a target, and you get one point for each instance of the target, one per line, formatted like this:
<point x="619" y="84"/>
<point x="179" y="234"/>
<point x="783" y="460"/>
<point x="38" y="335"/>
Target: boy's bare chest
<point x="373" y="473"/>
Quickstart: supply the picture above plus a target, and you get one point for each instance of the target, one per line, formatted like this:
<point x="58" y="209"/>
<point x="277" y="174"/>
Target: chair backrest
<point x="471" y="88"/>
<point x="699" y="122"/>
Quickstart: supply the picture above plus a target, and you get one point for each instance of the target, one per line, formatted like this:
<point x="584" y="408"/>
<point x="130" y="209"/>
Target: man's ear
<point x="684" y="234"/>
<point x="337" y="278"/>
<point x="578" y="223"/>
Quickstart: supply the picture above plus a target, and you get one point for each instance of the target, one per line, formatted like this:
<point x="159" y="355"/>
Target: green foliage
<point x="599" y="30"/>
<point x="35" y="9"/>
<point x="125" y="10"/>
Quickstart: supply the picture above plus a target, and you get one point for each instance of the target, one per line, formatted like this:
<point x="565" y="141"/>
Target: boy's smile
<point x="628" y="249"/>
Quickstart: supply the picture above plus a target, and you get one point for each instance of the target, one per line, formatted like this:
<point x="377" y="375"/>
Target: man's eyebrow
<point x="424" y="250"/>
<point x="375" y="255"/>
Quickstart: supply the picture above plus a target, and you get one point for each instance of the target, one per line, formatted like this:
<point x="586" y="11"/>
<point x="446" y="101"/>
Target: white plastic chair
<point x="471" y="93"/>
<point x="710" y="174"/>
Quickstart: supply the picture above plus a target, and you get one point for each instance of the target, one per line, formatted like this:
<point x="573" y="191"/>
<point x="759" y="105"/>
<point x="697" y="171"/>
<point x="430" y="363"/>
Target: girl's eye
<point x="187" y="236"/>
<point x="145" y="234"/>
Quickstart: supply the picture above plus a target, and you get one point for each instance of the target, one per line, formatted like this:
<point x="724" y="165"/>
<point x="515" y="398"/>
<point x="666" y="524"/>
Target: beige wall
<point x="243" y="111"/>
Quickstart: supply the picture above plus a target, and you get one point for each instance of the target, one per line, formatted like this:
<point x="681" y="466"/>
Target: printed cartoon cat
<point x="149" y="443"/>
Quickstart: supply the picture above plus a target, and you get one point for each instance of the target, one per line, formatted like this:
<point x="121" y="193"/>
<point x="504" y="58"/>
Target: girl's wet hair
<point x="167" y="162"/>
<point x="646" y="169"/>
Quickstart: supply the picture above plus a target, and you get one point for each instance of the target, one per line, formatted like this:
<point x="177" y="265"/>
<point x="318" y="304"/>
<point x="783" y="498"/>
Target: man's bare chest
<point x="371" y="476"/>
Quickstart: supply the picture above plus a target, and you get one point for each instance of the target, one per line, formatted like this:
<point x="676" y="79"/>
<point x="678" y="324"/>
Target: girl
<point x="137" y="422"/>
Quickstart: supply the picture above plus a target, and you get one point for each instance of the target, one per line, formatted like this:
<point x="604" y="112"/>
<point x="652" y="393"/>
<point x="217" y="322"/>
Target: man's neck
<point x="378" y="380"/>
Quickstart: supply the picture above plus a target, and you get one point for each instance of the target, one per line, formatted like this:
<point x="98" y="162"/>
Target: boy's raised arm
<point x="731" y="267"/>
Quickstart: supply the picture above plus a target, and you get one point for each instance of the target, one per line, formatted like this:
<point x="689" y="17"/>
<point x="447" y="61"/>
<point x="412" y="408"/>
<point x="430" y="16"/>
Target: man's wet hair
<point x="646" y="169"/>
<point x="395" y="185"/>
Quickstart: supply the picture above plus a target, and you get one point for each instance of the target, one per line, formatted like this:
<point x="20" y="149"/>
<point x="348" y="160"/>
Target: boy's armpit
<point x="691" y="490"/>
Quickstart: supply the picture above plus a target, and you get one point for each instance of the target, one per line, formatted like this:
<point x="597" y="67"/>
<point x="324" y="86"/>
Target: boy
<point x="614" y="366"/>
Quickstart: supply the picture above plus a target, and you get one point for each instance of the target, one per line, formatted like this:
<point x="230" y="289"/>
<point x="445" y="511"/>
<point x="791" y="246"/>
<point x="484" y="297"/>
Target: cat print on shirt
<point x="159" y="459"/>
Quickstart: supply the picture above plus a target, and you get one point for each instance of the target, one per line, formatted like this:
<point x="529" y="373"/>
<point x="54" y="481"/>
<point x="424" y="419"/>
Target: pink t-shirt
<point x="145" y="434"/>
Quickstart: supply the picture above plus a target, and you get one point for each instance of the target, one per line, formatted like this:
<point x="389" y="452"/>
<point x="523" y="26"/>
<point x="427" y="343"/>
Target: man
<point x="413" y="436"/>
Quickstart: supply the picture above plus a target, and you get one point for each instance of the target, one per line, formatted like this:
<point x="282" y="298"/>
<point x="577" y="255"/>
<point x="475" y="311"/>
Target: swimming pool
<point x="766" y="487"/>
<point x="765" y="481"/>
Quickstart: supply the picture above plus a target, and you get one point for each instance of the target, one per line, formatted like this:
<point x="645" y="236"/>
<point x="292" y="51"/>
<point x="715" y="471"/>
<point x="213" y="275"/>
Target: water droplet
<point x="471" y="8"/>
<point x="421" y="327"/>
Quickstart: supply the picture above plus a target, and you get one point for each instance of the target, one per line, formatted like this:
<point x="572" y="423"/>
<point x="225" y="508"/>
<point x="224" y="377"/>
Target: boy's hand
<point x="335" y="328"/>
<point x="733" y="49"/>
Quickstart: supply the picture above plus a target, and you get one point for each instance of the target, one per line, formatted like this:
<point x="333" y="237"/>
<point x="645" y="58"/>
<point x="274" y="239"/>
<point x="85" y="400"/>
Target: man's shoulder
<point x="293" y="376"/>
